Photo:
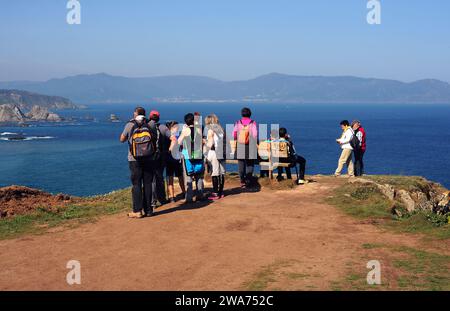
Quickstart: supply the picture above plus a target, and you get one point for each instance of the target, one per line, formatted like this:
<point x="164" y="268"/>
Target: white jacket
<point x="346" y="138"/>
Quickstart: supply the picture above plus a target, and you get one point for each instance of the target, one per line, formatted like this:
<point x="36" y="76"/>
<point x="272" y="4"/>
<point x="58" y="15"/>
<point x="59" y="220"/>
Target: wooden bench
<point x="270" y="154"/>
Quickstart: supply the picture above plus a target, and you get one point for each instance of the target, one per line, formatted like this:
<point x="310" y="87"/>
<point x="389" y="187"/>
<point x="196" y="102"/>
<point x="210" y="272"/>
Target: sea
<point x="83" y="156"/>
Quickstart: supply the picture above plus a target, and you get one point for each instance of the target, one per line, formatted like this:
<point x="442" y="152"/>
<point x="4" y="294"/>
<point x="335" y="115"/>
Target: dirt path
<point x="231" y="244"/>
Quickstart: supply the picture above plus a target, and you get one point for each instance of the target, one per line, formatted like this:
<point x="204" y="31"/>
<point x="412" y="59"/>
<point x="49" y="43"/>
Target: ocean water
<point x="84" y="157"/>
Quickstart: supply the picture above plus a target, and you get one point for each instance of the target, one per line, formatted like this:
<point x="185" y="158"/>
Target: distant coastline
<point x="270" y="88"/>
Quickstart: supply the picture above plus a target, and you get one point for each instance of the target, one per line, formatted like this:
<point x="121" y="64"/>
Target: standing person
<point x="141" y="136"/>
<point x="359" y="152"/>
<point x="159" y="188"/>
<point x="174" y="165"/>
<point x="215" y="155"/>
<point x="294" y="158"/>
<point x="245" y="133"/>
<point x="192" y="141"/>
<point x="347" y="150"/>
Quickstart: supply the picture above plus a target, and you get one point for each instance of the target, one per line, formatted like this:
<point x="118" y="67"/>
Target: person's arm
<point x="210" y="139"/>
<point x="184" y="133"/>
<point x="173" y="142"/>
<point x="124" y="136"/>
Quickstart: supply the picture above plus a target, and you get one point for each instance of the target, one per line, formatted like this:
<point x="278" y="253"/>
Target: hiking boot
<point x="134" y="215"/>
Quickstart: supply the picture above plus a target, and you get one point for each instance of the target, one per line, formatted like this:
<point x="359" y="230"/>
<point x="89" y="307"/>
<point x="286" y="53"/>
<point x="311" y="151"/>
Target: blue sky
<point x="225" y="39"/>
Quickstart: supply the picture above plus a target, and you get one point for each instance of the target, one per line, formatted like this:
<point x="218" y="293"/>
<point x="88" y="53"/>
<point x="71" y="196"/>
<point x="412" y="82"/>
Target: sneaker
<point x="135" y="215"/>
<point x="222" y="196"/>
<point x="213" y="197"/>
<point x="301" y="182"/>
<point x="172" y="200"/>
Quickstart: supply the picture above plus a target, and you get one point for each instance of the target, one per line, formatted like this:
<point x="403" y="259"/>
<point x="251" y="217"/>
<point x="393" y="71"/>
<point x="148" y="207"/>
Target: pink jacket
<point x="246" y="121"/>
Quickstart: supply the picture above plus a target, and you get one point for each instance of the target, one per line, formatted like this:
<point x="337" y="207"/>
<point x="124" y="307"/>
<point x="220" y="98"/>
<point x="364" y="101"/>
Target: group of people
<point x="353" y="145"/>
<point x="188" y="152"/>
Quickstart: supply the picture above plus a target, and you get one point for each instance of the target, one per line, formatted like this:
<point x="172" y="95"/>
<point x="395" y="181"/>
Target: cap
<point x="154" y="113"/>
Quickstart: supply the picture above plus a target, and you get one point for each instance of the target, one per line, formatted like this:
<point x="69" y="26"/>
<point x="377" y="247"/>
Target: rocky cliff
<point x="10" y="113"/>
<point x="26" y="100"/>
<point x="410" y="194"/>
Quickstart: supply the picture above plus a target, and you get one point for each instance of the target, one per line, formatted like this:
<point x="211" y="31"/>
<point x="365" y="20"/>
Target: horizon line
<point x="227" y="81"/>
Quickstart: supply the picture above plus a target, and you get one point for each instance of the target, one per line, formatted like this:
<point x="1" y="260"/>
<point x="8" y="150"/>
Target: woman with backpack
<point x="192" y="142"/>
<point x="215" y="155"/>
<point x="245" y="134"/>
<point x="174" y="166"/>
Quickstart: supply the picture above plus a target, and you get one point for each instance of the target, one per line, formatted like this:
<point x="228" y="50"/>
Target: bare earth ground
<point x="285" y="239"/>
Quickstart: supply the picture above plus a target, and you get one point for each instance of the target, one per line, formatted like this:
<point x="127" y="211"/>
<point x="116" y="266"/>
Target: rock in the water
<point x="11" y="113"/>
<point x="39" y="113"/>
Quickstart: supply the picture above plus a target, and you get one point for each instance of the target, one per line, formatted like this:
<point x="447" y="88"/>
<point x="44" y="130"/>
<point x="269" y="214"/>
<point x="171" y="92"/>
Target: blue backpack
<point x="193" y="157"/>
<point x="194" y="167"/>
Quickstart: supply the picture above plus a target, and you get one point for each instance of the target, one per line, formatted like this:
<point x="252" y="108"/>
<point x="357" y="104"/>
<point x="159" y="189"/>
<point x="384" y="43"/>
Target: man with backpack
<point x="346" y="141"/>
<point x="360" y="149"/>
<point x="191" y="139"/>
<point x="163" y="144"/>
<point x="294" y="159"/>
<point x="245" y="134"/>
<point x="141" y="136"/>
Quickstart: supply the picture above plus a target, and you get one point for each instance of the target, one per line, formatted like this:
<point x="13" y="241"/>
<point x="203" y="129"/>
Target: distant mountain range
<point x="274" y="87"/>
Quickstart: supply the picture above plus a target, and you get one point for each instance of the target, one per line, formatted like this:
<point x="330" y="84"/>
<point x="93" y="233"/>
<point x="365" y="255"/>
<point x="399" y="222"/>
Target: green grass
<point x="422" y="270"/>
<point x="414" y="270"/>
<point x="88" y="210"/>
<point x="263" y="278"/>
<point x="361" y="201"/>
<point x="365" y="201"/>
<point x="401" y="182"/>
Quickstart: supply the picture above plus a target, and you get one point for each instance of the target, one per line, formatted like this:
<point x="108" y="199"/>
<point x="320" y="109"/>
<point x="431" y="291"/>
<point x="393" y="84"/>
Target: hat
<point x="154" y="113"/>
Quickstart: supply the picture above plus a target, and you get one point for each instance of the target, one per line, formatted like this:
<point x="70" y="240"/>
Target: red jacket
<point x="363" y="138"/>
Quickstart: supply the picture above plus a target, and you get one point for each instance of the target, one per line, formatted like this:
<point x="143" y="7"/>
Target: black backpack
<point x="143" y="140"/>
<point x="354" y="141"/>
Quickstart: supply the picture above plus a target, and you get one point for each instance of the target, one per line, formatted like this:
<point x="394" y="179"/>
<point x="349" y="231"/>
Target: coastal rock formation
<point x="418" y="194"/>
<point x="39" y="113"/>
<point x="11" y="113"/>
<point x="26" y="100"/>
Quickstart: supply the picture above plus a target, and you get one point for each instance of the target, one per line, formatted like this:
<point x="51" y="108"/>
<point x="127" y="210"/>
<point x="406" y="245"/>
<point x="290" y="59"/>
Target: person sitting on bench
<point x="294" y="159"/>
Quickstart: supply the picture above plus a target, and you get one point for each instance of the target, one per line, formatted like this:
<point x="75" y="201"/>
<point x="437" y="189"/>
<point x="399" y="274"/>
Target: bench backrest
<point x="277" y="149"/>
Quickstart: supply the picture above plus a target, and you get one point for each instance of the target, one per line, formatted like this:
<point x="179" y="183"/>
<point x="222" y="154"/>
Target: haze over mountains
<point x="274" y="87"/>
